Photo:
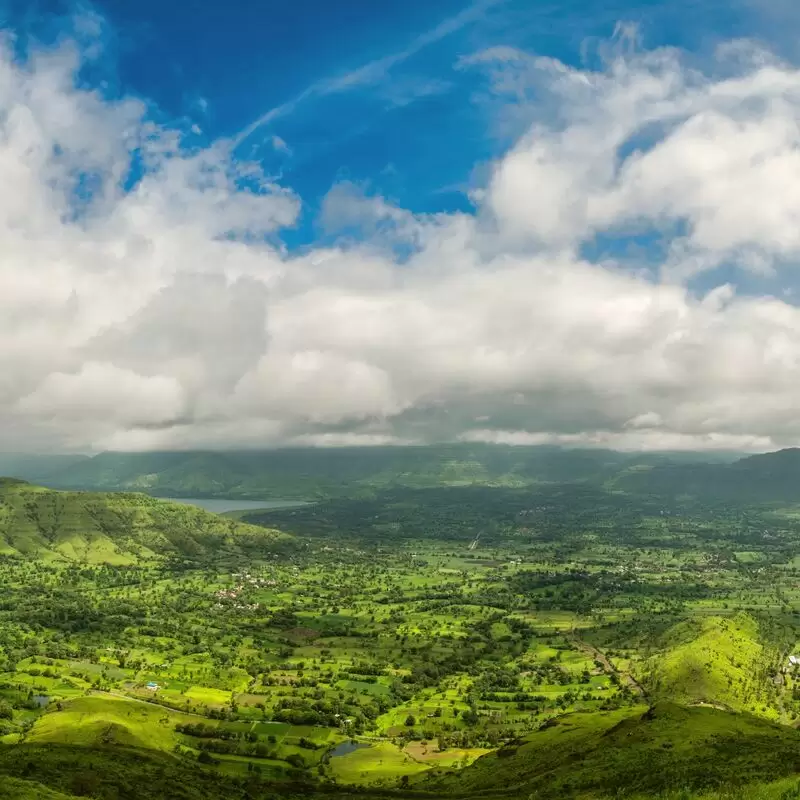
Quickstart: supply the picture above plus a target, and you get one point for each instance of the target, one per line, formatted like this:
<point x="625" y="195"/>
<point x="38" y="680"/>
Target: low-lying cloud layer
<point x="145" y="304"/>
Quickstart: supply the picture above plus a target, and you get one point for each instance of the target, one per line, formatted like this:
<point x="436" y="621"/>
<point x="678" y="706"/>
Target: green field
<point x="375" y="763"/>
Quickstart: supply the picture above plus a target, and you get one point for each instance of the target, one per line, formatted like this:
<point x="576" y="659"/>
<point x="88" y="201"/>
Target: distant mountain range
<point x="37" y="468"/>
<point x="768" y="477"/>
<point x="317" y="473"/>
<point x="320" y="473"/>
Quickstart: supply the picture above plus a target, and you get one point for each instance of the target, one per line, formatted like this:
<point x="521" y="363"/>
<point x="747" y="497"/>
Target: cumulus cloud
<point x="105" y="395"/>
<point x="146" y="302"/>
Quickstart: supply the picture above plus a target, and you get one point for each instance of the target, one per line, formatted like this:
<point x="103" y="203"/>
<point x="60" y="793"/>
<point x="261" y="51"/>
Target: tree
<point x="470" y="717"/>
<point x="411" y="721"/>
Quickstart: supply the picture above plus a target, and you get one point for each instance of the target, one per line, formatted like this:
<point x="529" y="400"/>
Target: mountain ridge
<point x="323" y="472"/>
<point x="116" y="528"/>
<point x="759" y="478"/>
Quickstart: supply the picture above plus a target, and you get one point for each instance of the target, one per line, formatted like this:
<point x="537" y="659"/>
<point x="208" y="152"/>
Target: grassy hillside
<point x="96" y="721"/>
<point x="714" y="660"/>
<point x="646" y="752"/>
<point x="58" y="772"/>
<point x="16" y="789"/>
<point x="115" y="528"/>
<point x="113" y="747"/>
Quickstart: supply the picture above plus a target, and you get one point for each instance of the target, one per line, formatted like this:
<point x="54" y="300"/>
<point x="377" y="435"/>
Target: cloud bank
<point x="146" y="301"/>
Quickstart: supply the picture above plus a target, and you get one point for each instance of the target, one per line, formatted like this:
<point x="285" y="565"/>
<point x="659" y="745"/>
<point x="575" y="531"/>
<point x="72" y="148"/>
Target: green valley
<point x="558" y="639"/>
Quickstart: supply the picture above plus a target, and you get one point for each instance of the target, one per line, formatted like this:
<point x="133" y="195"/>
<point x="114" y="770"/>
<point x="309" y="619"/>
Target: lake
<point x="220" y="506"/>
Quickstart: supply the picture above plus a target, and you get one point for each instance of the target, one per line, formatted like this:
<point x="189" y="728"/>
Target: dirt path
<point x="599" y="655"/>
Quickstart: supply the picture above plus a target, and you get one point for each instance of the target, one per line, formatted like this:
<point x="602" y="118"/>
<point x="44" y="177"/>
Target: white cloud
<point x="104" y="395"/>
<point x="280" y="145"/>
<point x="649" y="143"/>
<point x="615" y="440"/>
<point x="163" y="316"/>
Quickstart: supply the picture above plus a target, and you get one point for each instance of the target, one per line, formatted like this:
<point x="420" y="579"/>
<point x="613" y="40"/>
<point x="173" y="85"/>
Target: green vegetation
<point x="96" y="720"/>
<point x="484" y="638"/>
<point x="118" y="529"/>
<point x="308" y="474"/>
<point x="647" y="752"/>
<point x="714" y="660"/>
<point x="771" y="477"/>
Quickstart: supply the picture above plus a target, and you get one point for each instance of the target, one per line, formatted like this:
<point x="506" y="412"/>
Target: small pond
<point x="41" y="700"/>
<point x="345" y="748"/>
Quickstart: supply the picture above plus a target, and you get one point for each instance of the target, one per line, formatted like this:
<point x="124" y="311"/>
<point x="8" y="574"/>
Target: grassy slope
<point x="712" y="660"/>
<point x="17" y="789"/>
<point x="126" y="774"/>
<point x="118" y="747"/>
<point x="114" y="528"/>
<point x="382" y="760"/>
<point x="666" y="748"/>
<point x="108" y="746"/>
<point x="644" y="751"/>
<point x="97" y="720"/>
<point x="785" y="789"/>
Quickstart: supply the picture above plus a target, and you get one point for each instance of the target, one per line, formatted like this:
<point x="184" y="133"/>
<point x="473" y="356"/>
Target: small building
<point x="794" y="661"/>
<point x="153" y="687"/>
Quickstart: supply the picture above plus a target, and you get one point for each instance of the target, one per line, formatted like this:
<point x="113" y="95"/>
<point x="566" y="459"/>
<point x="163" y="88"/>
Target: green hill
<point x="99" y="720"/>
<point x="715" y="660"/>
<point x="65" y="772"/>
<point x="106" y="747"/>
<point x="116" y="528"/>
<point x="16" y="789"/>
<point x="644" y="753"/>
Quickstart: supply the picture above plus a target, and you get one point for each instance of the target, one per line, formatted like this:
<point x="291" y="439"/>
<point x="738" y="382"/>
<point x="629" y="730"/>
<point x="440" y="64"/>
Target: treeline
<point x="243" y="743"/>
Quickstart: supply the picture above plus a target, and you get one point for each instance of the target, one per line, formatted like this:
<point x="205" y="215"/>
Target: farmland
<point x="399" y="643"/>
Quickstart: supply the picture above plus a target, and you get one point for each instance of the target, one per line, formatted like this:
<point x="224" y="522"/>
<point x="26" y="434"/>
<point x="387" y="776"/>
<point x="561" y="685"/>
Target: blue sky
<point x="249" y="224"/>
<point x="419" y="131"/>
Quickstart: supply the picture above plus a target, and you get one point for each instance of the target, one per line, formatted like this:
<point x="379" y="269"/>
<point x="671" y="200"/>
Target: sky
<point x="236" y="225"/>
